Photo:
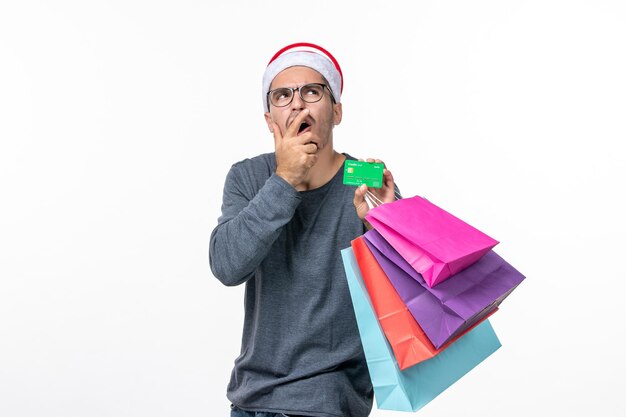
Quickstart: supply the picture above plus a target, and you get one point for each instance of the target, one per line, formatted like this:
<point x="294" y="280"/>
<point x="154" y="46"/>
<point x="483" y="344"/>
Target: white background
<point x="120" y="119"/>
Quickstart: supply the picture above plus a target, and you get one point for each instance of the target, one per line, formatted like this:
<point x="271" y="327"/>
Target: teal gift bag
<point x="411" y="389"/>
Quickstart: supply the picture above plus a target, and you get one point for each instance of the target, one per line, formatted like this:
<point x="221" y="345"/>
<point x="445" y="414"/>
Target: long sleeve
<point x="299" y="334"/>
<point x="252" y="219"/>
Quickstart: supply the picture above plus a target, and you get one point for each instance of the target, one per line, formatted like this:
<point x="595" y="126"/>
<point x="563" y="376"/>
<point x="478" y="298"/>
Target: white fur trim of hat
<point x="306" y="55"/>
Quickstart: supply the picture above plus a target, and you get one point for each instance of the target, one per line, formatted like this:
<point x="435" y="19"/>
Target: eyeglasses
<point x="309" y="93"/>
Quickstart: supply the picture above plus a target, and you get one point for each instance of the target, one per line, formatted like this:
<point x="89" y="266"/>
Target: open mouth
<point x="304" y="126"/>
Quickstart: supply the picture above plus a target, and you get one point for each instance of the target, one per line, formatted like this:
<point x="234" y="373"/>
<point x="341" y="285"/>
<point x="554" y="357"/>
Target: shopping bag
<point x="411" y="389"/>
<point x="434" y="242"/>
<point x="453" y="306"/>
<point x="407" y="339"/>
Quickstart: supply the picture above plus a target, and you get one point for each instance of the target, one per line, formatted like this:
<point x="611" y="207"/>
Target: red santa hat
<point x="306" y="55"/>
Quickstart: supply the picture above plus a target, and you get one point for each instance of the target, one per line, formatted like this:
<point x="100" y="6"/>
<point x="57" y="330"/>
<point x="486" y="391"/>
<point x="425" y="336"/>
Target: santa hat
<point x="306" y="55"/>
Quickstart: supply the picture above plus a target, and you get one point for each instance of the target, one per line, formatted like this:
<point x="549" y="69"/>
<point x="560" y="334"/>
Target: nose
<point x="296" y="102"/>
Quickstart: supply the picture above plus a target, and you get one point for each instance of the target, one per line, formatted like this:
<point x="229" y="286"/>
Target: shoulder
<point x="260" y="163"/>
<point x="251" y="173"/>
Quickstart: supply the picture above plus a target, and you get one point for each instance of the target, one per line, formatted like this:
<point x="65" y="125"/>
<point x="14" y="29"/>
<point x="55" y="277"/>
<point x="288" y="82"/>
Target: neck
<point x="324" y="170"/>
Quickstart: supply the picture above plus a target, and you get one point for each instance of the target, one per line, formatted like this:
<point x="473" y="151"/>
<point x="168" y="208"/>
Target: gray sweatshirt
<point x="300" y="349"/>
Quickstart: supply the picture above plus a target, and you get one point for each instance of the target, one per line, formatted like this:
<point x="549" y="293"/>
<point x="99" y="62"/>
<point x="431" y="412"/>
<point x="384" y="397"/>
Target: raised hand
<point x="295" y="153"/>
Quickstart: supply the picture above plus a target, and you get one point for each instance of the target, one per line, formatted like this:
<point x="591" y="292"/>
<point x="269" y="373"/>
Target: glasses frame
<point x="298" y="89"/>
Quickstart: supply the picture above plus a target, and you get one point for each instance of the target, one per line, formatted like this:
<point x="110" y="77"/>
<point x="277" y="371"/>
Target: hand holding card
<point x="373" y="174"/>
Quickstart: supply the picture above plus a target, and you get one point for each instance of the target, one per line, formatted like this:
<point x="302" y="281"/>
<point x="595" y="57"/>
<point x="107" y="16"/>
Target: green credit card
<point x="359" y="172"/>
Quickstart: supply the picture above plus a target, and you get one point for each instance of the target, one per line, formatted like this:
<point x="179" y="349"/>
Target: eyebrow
<point x="298" y="85"/>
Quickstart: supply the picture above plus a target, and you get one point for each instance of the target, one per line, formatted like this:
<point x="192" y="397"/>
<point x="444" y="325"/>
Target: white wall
<point x="120" y="119"/>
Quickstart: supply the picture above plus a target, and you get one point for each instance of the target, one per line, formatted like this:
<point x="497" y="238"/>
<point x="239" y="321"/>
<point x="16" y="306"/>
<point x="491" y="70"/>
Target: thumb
<point x="359" y="200"/>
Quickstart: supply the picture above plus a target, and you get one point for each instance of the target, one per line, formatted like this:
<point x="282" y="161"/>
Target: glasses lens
<point x="281" y="97"/>
<point x="312" y="93"/>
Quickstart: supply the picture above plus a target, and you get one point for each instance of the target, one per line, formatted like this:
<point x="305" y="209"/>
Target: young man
<point x="285" y="217"/>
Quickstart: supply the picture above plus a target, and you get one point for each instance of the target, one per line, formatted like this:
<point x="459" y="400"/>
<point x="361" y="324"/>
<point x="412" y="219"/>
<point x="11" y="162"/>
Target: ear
<point x="337" y="113"/>
<point x="268" y="120"/>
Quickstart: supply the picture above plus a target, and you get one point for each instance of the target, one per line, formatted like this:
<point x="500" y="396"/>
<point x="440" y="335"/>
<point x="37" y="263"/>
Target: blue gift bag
<point x="411" y="389"/>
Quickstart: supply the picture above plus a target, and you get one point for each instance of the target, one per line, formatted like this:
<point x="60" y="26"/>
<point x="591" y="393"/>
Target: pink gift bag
<point x="434" y="242"/>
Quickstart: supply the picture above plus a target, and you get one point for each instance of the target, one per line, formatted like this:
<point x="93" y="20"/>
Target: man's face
<point x="323" y="114"/>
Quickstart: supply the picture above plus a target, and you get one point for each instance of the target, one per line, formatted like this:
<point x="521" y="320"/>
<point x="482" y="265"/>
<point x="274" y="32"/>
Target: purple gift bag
<point x="446" y="310"/>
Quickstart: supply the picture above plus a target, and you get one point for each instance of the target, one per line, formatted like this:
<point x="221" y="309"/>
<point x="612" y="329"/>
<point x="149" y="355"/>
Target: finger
<point x="387" y="192"/>
<point x="303" y="139"/>
<point x="310" y="148"/>
<point x="359" y="195"/>
<point x="390" y="186"/>
<point x="292" y="130"/>
<point x="388" y="177"/>
<point x="361" y="204"/>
